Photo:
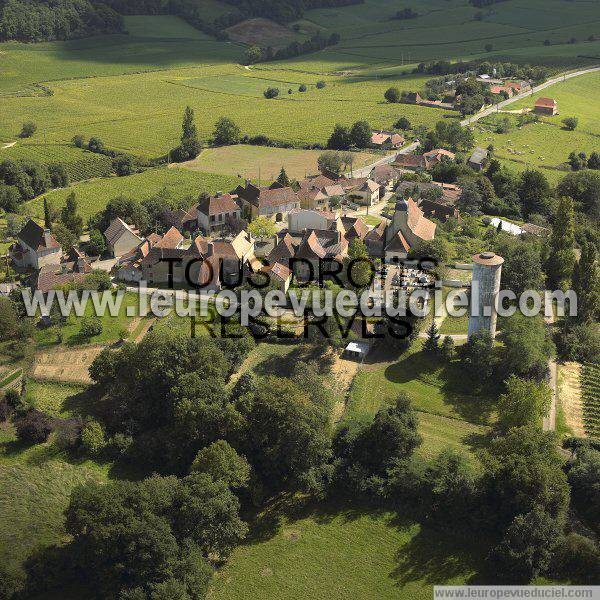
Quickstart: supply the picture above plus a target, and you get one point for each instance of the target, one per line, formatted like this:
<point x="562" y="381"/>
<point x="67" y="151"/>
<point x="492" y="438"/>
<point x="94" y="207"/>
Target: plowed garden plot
<point x="71" y="366"/>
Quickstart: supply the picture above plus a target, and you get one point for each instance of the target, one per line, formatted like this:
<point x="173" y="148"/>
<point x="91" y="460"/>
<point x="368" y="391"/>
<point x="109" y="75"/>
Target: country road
<point x="537" y="88"/>
<point x="365" y="171"/>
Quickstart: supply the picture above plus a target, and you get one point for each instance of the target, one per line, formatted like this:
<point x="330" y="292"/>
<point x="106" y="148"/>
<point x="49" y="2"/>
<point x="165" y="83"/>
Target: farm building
<point x="546" y="106"/>
<point x="274" y="201"/>
<point x="121" y="238"/>
<point x="386" y="140"/>
<point x="478" y="159"/>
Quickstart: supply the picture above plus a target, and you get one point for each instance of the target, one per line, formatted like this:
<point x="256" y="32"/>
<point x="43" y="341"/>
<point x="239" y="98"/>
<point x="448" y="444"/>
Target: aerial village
<point x="286" y="230"/>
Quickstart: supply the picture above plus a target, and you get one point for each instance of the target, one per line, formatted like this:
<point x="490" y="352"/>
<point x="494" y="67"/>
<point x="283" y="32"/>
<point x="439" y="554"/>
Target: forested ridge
<point x="44" y="20"/>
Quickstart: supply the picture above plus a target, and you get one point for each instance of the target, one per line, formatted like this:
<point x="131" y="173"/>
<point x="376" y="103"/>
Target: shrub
<point x="271" y="92"/>
<point x="403" y="123"/>
<point x="91" y="326"/>
<point x="96" y="145"/>
<point x="122" y="165"/>
<point x="67" y="434"/>
<point x="34" y="427"/>
<point x="392" y="95"/>
<point x="78" y="141"/>
<point x="302" y="88"/>
<point x="320" y="85"/>
<point x="93" y="438"/>
<point x="28" y="129"/>
<point x="571" y="123"/>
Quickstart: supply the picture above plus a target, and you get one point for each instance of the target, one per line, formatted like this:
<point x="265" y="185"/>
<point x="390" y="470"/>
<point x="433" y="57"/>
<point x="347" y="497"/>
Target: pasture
<point x="261" y="162"/>
<point x="92" y="196"/>
<point x="546" y="145"/>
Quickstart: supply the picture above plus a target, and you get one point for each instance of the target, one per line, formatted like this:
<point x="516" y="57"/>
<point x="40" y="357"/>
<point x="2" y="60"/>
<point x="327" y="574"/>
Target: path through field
<point x="8" y="145"/>
<point x="570" y="396"/>
<point x="549" y="423"/>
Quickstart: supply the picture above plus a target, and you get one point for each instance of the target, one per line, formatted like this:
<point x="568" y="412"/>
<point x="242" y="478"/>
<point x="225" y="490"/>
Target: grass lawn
<point x="111" y="326"/>
<point x="336" y="553"/>
<point x="92" y="196"/>
<point x="450" y="411"/>
<point x="433" y="385"/>
<point x="254" y="162"/>
<point x="455" y="325"/>
<point x="546" y="145"/>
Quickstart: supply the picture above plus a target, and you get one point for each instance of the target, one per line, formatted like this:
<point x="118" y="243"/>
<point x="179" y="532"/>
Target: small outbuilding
<point x="546" y="106"/>
<point x="357" y="350"/>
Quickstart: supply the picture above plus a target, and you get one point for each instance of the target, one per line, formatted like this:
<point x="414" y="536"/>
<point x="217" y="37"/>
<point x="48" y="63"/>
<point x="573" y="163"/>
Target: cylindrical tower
<point x="485" y="286"/>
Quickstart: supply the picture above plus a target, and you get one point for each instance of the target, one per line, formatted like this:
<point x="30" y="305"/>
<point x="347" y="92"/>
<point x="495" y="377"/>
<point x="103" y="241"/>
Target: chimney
<point x="218" y="194"/>
<point x="247" y="182"/>
<point x="210" y="249"/>
<point x="47" y="237"/>
<point x="63" y="267"/>
<point x="80" y="264"/>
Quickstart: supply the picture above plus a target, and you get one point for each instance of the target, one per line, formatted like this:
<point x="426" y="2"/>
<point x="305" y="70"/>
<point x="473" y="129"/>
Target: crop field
<point x="252" y="162"/>
<point x="546" y="145"/>
<point x="148" y="122"/>
<point x="92" y="196"/>
<point x="79" y="164"/>
<point x="371" y="554"/>
<point x="590" y="388"/>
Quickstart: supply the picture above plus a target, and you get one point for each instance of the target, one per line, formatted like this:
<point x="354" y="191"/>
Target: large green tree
<point x="586" y="283"/>
<point x="190" y="144"/>
<point x="522" y="470"/>
<point x="561" y="257"/>
<point x="524" y="403"/>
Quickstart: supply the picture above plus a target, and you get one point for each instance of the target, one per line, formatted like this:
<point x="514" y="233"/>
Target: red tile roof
<point x="546" y="102"/>
<point x="216" y="205"/>
<point x="172" y="239"/>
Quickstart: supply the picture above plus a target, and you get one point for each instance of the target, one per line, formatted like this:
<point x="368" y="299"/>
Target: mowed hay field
<point x="254" y="162"/>
<point x="546" y="145"/>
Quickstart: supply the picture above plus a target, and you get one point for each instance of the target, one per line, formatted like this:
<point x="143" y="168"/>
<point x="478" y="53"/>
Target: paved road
<point x="537" y="88"/>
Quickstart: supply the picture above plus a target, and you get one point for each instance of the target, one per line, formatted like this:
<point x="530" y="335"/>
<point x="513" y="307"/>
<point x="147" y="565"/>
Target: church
<point x="408" y="228"/>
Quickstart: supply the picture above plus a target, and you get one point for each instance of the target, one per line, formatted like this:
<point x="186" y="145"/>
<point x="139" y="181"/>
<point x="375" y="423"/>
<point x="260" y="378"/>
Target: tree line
<point x="45" y="20"/>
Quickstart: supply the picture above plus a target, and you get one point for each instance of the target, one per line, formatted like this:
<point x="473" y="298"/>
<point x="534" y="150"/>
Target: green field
<point x="337" y="553"/>
<point x="451" y="413"/>
<point x="262" y="162"/>
<point x="92" y="196"/>
<point x="36" y="482"/>
<point x="71" y="330"/>
<point x="79" y="164"/>
<point x="546" y="145"/>
<point x="590" y="392"/>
